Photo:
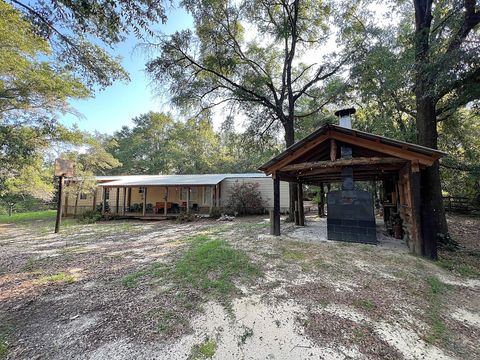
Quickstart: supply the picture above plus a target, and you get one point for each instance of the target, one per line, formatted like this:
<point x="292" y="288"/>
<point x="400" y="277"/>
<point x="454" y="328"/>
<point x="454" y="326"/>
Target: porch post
<point x="212" y="189"/>
<point x="301" y="212"/>
<point x="94" y="205"/>
<point x="276" y="205"/>
<point x="65" y="210"/>
<point x="117" y="200"/>
<point x="104" y="200"/>
<point x="144" y="210"/>
<point x="129" y="198"/>
<point x="124" y="199"/>
<point x="188" y="200"/>
<point x="166" y="201"/>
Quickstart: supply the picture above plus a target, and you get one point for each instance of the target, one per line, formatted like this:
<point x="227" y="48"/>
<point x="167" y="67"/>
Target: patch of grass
<point x="60" y="277"/>
<point x="213" y="265"/>
<point x="28" y="216"/>
<point x="132" y="280"/>
<point x="436" y="292"/>
<point x="458" y="267"/>
<point x="5" y="331"/>
<point x="205" y="350"/>
<point x="167" y="320"/>
<point x="366" y="304"/>
<point x="295" y="255"/>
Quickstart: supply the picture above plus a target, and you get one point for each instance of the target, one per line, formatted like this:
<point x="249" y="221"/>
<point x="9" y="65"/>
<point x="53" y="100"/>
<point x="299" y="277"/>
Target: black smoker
<point x="351" y="215"/>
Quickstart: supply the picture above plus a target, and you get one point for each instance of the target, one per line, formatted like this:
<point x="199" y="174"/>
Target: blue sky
<point x="115" y="106"/>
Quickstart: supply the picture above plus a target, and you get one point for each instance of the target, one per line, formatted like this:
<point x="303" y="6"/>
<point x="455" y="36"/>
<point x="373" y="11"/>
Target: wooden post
<point x="295" y="214"/>
<point x="124" y="199"/>
<point x="65" y="209"/>
<point x="117" y="201"/>
<point x="333" y="150"/>
<point x="104" y="200"/>
<point x="301" y="211"/>
<point x="166" y="201"/>
<point x="188" y="200"/>
<point x="276" y="205"/>
<point x="94" y="204"/>
<point x="59" y="204"/>
<point x="321" y="205"/>
<point x="212" y="189"/>
<point x="129" y="198"/>
<point x="144" y="210"/>
<point x="76" y="205"/>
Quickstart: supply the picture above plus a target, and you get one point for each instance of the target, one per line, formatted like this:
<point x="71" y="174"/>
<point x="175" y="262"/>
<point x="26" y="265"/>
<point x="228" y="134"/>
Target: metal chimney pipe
<point x="345" y="118"/>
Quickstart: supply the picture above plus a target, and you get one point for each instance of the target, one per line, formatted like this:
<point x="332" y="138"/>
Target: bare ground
<point x="66" y="296"/>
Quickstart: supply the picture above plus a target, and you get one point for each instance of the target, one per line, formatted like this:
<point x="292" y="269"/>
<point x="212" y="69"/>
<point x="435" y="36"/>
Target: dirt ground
<point x="102" y="291"/>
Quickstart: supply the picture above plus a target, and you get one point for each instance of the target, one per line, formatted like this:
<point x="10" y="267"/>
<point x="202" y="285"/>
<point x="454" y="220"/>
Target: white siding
<point x="265" y="187"/>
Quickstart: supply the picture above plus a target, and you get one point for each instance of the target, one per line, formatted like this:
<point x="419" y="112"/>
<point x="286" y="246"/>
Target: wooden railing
<point x="460" y="204"/>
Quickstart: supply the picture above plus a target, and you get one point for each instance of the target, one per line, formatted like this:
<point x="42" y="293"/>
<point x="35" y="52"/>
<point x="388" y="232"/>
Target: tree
<point x="157" y="144"/>
<point x="252" y="55"/>
<point x="74" y="30"/>
<point x="26" y="170"/>
<point x="93" y="160"/>
<point x="447" y="76"/>
<point x="30" y="87"/>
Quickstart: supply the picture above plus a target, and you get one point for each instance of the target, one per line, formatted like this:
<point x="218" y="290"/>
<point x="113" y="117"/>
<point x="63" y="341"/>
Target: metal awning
<point x="175" y="180"/>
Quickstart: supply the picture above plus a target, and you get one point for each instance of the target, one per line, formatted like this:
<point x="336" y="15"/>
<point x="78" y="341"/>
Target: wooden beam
<point x="387" y="149"/>
<point x="301" y="211"/>
<point x="296" y="154"/>
<point x="333" y="150"/>
<point x="276" y="206"/>
<point x="342" y="162"/>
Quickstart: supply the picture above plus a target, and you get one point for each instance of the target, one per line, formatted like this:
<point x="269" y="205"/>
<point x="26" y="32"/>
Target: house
<point x="166" y="195"/>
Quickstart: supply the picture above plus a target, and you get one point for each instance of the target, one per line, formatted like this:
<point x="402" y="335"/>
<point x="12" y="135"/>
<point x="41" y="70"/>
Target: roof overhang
<point x="390" y="147"/>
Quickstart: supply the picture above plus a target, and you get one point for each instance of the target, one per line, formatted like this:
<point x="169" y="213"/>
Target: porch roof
<point x="175" y="180"/>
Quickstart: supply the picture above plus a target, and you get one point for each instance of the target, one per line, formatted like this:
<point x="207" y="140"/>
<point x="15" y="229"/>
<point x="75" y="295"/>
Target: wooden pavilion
<point x="317" y="160"/>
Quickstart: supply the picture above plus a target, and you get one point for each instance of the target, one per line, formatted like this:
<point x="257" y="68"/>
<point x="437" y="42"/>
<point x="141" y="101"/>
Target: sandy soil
<point x="314" y="299"/>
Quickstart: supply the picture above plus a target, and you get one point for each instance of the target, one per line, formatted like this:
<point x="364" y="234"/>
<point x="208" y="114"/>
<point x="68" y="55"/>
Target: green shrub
<point x="216" y="212"/>
<point x="90" y="216"/>
<point x="245" y="199"/>
<point x="183" y="217"/>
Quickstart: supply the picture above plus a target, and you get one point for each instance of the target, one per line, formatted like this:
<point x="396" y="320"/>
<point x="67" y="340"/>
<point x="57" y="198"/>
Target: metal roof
<point x="173" y="180"/>
<point x="361" y="134"/>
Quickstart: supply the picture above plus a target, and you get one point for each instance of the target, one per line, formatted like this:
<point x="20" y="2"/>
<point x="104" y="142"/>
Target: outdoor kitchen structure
<point x="342" y="155"/>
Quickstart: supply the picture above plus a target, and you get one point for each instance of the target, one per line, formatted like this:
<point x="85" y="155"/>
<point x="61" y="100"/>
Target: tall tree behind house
<point x="253" y="56"/>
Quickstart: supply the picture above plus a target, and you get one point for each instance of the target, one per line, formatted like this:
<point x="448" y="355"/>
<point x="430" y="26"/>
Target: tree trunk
<point x="289" y="141"/>
<point x="433" y="213"/>
<point x="434" y="224"/>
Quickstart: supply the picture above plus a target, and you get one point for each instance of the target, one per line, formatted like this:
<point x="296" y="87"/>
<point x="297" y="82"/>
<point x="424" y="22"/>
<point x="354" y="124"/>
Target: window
<point x="83" y="196"/>
<point x="207" y="195"/>
<point x="140" y="190"/>
<point x="107" y="194"/>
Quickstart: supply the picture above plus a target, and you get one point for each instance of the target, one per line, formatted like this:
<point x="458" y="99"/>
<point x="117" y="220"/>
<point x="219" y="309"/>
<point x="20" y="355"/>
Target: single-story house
<point x="166" y="195"/>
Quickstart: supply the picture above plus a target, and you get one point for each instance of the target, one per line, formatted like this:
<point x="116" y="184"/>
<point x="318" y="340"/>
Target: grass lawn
<point x="28" y="216"/>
